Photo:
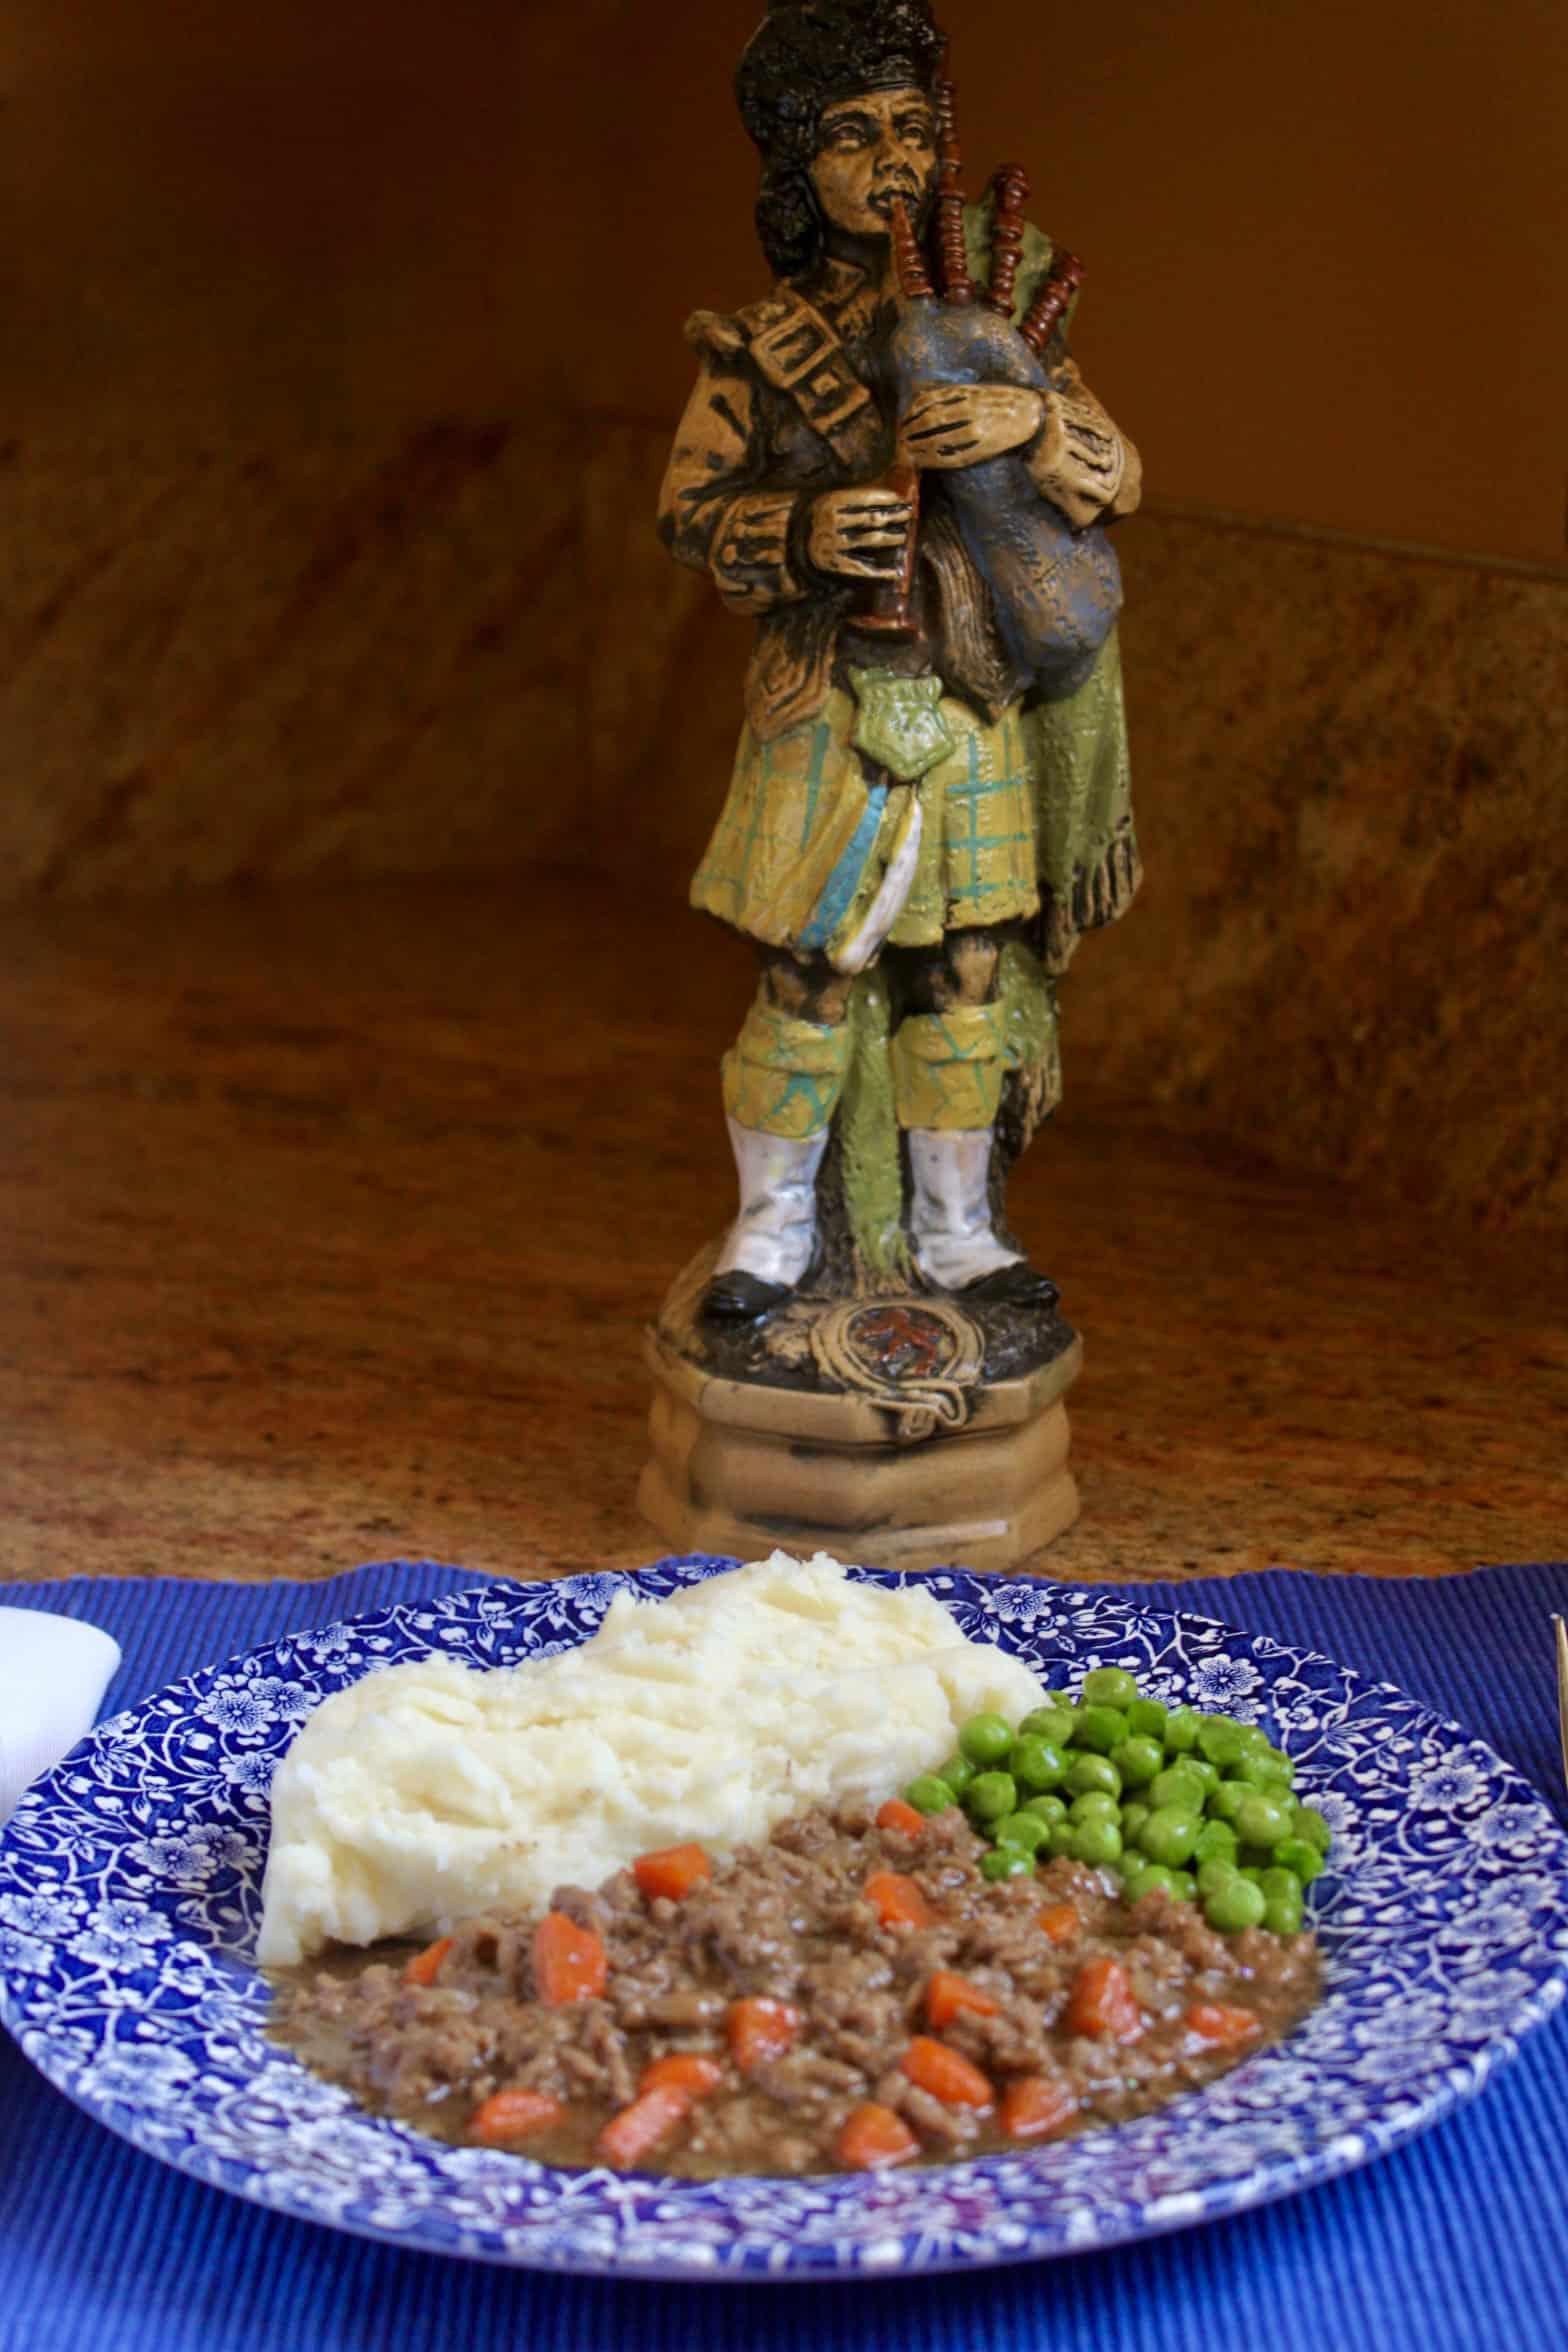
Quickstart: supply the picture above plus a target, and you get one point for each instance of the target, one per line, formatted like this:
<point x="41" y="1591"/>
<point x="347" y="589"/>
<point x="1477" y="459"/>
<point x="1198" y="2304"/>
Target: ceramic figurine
<point x="892" y="466"/>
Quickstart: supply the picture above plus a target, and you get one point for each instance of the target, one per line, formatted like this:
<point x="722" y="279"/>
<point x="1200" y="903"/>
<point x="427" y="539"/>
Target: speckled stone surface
<point x="334" y="1218"/>
<point x="333" y="662"/>
<point x="1353" y="943"/>
<point x="465" y="651"/>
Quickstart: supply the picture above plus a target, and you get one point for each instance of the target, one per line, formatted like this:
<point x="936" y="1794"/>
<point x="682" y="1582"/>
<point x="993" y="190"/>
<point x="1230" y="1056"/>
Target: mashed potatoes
<point x="433" y="1791"/>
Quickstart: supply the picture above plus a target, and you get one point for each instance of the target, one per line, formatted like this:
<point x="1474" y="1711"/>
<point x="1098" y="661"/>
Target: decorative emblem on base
<point x="920" y="1360"/>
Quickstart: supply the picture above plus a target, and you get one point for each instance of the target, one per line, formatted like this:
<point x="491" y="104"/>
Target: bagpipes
<point x="1056" y="591"/>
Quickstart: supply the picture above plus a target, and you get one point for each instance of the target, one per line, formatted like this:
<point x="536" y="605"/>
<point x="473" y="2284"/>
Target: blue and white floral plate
<point x="130" y="1892"/>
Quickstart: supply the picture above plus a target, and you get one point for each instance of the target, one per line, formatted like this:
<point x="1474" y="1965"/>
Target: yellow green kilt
<point x="805" y="837"/>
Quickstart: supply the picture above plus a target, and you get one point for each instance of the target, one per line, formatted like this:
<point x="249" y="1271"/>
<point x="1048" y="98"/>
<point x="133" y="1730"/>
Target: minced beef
<point x="791" y="1922"/>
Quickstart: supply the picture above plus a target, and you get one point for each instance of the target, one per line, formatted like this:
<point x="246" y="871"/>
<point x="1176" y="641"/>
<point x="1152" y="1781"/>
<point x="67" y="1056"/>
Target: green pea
<point x="1146" y="1719"/>
<point x="991" y="1796"/>
<point x="1281" y="1767"/>
<point x="1203" y="1772"/>
<point x="1095" y="1805"/>
<point x="1185" y="1886"/>
<point x="1282" y="1914"/>
<point x="1026" y="1832"/>
<point x="1234" y="1906"/>
<point x="1093" y="1772"/>
<point x="1215" y="1872"/>
<point x="1251" y="1873"/>
<point x="1308" y="1823"/>
<point x="1109" y="1686"/>
<point x="928" y="1794"/>
<point x="1144" y="1877"/>
<point x="1054" y="1725"/>
<point x="1283" y="1883"/>
<point x="1050" y="1810"/>
<point x="1006" y="1862"/>
<point x="1134" y="1815"/>
<point x="1262" y="1820"/>
<point x="1169" y="1835"/>
<point x="1220" y="1740"/>
<point x="1216" y="1842"/>
<point x="1304" y="1862"/>
<point x="1181" y="1732"/>
<point x="1036" y="1765"/>
<point x="1097" y="1841"/>
<point x="1099" y="1728"/>
<point x="958" y="1772"/>
<point x="1226" y="1801"/>
<point x="1138" y="1760"/>
<point x="985" y="1739"/>
<point x="1178" y="1784"/>
<point x="1060" y="1838"/>
<point x="1268" y="1772"/>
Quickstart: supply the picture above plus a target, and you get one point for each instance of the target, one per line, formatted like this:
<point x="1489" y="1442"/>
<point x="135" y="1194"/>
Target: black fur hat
<point x="807" y="55"/>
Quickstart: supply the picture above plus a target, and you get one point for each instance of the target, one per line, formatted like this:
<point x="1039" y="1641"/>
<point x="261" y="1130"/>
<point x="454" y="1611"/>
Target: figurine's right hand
<point x="861" y="534"/>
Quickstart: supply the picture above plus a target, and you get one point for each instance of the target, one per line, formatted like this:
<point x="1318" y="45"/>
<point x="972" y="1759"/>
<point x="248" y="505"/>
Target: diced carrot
<point x="1035" y="2107"/>
<point x="760" y="2031"/>
<point x="639" y="2128"/>
<point x="896" y="1815"/>
<point x="945" y="2074"/>
<point x="898" y="1900"/>
<point x="948" y="1993"/>
<point x="425" y="1966"/>
<point x="874" y="2137"/>
<point x="683" y="2070"/>
<point x="1060" y="1922"/>
<point x="508" y="2116"/>
<point x="672" y="1872"/>
<point x="1227" y="2029"/>
<point x="570" y="1962"/>
<point x="1102" y="2004"/>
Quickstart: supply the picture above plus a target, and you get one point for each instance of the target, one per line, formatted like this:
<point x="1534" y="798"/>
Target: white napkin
<point x="53" y="1674"/>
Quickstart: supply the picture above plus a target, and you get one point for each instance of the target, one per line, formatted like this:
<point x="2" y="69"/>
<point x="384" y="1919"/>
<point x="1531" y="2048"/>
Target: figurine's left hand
<point x="951" y="425"/>
<point x="1081" y="463"/>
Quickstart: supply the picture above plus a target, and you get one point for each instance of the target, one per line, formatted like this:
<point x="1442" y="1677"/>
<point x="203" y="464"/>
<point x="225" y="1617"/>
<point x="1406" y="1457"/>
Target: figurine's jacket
<point x="794" y="398"/>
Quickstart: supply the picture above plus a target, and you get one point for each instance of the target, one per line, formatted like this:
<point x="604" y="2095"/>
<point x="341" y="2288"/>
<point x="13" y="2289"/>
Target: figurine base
<point x="869" y="1428"/>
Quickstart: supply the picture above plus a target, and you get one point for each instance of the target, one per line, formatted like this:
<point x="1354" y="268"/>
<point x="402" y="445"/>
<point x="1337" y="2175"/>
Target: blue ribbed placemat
<point x="1455" y="2243"/>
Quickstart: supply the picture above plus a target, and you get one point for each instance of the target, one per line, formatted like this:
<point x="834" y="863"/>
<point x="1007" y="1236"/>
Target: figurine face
<point x="874" y="149"/>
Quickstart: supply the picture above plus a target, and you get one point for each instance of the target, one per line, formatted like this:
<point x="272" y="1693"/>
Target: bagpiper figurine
<point x="892" y="464"/>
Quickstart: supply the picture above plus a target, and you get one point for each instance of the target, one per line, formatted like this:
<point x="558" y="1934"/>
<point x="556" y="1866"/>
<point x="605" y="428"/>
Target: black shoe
<point x="742" y="1298"/>
<point x="1019" y="1285"/>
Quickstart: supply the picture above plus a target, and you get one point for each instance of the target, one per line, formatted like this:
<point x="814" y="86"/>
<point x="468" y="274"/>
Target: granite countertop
<point x="333" y="1219"/>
